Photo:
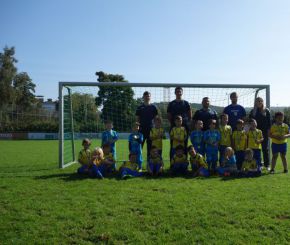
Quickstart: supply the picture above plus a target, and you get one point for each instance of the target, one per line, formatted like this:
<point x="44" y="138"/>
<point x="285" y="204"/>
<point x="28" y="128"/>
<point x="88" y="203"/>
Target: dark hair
<point x="146" y="93"/>
<point x="240" y="121"/>
<point x="86" y="140"/>
<point x="178" y="88"/>
<point x="251" y="120"/>
<point x="223" y="115"/>
<point x="179" y="147"/>
<point x="233" y="93"/>
<point x="136" y="124"/>
<point x="106" y="145"/>
<point x="279" y="114"/>
<point x="178" y="117"/>
<point x="188" y="148"/>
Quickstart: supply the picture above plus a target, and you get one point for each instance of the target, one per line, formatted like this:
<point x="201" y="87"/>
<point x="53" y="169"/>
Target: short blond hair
<point x="100" y="151"/>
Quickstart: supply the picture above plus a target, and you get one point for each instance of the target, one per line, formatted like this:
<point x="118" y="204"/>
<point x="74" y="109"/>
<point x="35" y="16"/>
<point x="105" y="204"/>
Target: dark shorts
<point x="279" y="148"/>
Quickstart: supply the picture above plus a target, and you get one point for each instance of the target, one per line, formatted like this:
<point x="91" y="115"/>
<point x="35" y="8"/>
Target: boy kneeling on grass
<point x="198" y="164"/>
<point x="179" y="162"/>
<point x="155" y="163"/>
<point x="249" y="167"/>
<point x="85" y="156"/>
<point x="130" y="168"/>
<point x="228" y="165"/>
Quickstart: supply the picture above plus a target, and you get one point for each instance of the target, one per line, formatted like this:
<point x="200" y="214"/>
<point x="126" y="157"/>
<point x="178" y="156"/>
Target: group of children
<point x="238" y="152"/>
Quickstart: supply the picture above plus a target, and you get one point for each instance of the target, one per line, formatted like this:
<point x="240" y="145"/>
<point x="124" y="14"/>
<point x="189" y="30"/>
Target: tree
<point x="8" y="72"/>
<point x="24" y="90"/>
<point x="118" y="104"/>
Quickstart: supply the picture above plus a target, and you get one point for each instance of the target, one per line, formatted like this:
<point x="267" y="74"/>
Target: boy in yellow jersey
<point x="255" y="138"/>
<point x="198" y="164"/>
<point x="226" y="133"/>
<point x="84" y="157"/>
<point x="157" y="134"/>
<point x="155" y="163"/>
<point x="179" y="162"/>
<point x="178" y="135"/>
<point x="239" y="142"/>
<point x="130" y="168"/>
<point x="249" y="166"/>
<point x="279" y="133"/>
<point x="109" y="159"/>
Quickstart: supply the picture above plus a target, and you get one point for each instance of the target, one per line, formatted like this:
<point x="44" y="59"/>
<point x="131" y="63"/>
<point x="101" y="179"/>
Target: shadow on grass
<point x="77" y="177"/>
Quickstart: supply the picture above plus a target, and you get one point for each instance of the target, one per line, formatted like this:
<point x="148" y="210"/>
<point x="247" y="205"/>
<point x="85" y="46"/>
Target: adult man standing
<point x="145" y="114"/>
<point x="205" y="114"/>
<point x="234" y="111"/>
<point x="179" y="107"/>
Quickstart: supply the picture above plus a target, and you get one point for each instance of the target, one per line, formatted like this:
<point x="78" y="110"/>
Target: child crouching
<point x="130" y="168"/>
<point x="179" y="163"/>
<point x="155" y="163"/>
<point x="198" y="164"/>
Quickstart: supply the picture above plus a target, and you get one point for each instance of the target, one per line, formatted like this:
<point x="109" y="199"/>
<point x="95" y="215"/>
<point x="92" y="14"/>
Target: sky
<point x="164" y="41"/>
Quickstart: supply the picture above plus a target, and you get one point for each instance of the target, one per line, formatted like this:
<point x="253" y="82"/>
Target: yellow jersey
<point x="198" y="160"/>
<point x="155" y="160"/>
<point x="279" y="130"/>
<point x="253" y="136"/>
<point x="109" y="157"/>
<point x="98" y="162"/>
<point x="249" y="165"/>
<point x="156" y="135"/>
<point x="178" y="136"/>
<point x="179" y="159"/>
<point x="85" y="157"/>
<point x="130" y="165"/>
<point x="226" y="132"/>
<point x="239" y="140"/>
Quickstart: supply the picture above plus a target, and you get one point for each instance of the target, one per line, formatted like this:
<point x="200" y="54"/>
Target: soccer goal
<point x="85" y="106"/>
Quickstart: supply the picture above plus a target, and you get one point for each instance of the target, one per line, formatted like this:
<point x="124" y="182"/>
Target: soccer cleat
<point x="272" y="171"/>
<point x="285" y="171"/>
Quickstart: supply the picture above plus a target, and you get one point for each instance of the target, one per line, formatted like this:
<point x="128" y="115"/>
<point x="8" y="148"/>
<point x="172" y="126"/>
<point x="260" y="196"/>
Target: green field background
<point x="42" y="204"/>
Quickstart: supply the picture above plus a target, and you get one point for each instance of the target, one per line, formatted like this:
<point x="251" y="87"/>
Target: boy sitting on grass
<point x="198" y="164"/>
<point x="228" y="166"/>
<point x="85" y="157"/>
<point x="249" y="166"/>
<point x="155" y="163"/>
<point x="130" y="168"/>
<point x="109" y="159"/>
<point x="179" y="162"/>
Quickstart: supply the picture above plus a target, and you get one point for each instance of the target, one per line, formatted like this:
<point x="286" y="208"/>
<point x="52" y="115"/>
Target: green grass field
<point x="41" y="204"/>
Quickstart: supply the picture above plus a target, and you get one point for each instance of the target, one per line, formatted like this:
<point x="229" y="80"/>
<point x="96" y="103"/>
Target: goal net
<point x="85" y="106"/>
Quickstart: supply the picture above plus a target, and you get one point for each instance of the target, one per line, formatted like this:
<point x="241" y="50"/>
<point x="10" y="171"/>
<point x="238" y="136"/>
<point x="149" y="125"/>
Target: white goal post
<point x="81" y="117"/>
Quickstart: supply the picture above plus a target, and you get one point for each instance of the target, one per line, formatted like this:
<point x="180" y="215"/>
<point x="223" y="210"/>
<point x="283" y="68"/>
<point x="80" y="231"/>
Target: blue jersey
<point x="234" y="112"/>
<point x="108" y="137"/>
<point x="196" y="138"/>
<point x="135" y="142"/>
<point x="212" y="137"/>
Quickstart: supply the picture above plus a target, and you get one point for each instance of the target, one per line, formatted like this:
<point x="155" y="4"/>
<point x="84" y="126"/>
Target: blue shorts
<point x="279" y="148"/>
<point x="154" y="168"/>
<point x="127" y="172"/>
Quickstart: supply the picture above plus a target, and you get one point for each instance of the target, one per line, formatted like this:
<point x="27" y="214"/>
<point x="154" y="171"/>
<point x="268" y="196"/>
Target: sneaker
<point x="272" y="171"/>
<point x="285" y="171"/>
